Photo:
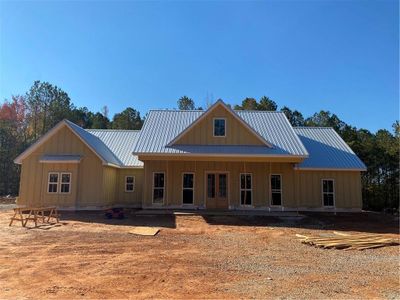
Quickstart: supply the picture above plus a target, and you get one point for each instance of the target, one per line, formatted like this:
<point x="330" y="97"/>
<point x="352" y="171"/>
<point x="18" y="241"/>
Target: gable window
<point x="53" y="183"/>
<point x="65" y="183"/>
<point x="158" y="188"/>
<point x="276" y="190"/>
<point x="328" y="192"/>
<point x="129" y="183"/>
<point x="246" y="189"/>
<point x="219" y="127"/>
<point x="187" y="188"/>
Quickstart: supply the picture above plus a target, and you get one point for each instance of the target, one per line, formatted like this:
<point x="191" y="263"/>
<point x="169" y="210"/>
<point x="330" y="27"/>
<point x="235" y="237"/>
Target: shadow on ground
<point x="362" y="222"/>
<point x="166" y="221"/>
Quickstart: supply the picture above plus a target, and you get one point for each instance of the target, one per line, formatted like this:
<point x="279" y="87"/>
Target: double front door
<point x="217" y="190"/>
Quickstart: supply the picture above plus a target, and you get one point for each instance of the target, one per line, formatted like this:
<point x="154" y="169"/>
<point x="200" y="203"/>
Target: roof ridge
<point x="98" y="129"/>
<point x="314" y="127"/>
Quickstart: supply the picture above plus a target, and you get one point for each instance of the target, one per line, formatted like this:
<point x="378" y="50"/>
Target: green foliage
<point x="186" y="103"/>
<point x="295" y="117"/>
<point x="252" y="104"/>
<point x="128" y="119"/>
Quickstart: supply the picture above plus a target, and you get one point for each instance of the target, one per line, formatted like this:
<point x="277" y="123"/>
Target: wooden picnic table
<point x="44" y="214"/>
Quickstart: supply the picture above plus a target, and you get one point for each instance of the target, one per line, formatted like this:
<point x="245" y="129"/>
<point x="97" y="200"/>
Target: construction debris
<point x="150" y="231"/>
<point x="347" y="241"/>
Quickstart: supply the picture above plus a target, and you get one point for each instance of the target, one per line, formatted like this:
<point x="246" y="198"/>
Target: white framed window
<point x="129" y="184"/>
<point x="65" y="183"/>
<point x="158" y="187"/>
<point x="246" y="189"/>
<point x="328" y="192"/>
<point x="276" y="189"/>
<point x="52" y="183"/>
<point x="219" y="127"/>
<point x="187" y="188"/>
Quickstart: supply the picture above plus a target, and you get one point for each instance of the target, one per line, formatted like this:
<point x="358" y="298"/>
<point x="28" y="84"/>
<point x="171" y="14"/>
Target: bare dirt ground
<point x="86" y="256"/>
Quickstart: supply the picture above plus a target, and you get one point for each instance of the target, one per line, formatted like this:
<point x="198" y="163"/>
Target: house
<point x="213" y="159"/>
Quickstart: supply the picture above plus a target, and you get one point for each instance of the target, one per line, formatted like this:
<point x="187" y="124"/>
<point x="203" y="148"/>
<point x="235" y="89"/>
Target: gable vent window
<point x="219" y="127"/>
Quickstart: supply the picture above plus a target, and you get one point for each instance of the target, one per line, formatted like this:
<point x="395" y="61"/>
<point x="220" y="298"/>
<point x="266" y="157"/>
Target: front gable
<point x="237" y="131"/>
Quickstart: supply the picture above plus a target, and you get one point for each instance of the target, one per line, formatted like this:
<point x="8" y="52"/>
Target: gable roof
<point x="220" y="103"/>
<point x="162" y="126"/>
<point x="102" y="145"/>
<point x="327" y="150"/>
<point x="121" y="143"/>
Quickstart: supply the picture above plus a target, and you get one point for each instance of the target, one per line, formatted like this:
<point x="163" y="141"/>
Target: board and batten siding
<point x="301" y="189"/>
<point x="86" y="175"/>
<point x="202" y="133"/>
<point x="130" y="199"/>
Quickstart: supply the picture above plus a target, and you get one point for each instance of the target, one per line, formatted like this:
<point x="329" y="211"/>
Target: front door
<point x="217" y="190"/>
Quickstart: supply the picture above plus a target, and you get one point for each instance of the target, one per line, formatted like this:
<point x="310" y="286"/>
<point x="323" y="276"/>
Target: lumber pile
<point x="349" y="241"/>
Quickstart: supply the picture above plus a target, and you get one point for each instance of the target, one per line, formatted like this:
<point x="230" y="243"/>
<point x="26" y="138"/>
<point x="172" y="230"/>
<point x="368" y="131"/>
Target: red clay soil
<point x="87" y="256"/>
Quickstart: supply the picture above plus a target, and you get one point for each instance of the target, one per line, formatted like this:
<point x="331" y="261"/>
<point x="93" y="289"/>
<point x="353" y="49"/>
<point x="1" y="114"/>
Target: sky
<point x="341" y="56"/>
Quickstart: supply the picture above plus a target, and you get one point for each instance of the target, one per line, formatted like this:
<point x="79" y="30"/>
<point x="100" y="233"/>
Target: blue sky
<point x="341" y="56"/>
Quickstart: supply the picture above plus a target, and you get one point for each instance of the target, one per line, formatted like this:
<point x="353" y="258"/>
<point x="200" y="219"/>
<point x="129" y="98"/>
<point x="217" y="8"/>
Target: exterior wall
<point x="92" y="184"/>
<point x="132" y="199"/>
<point x="347" y="186"/>
<point x="235" y="134"/>
<point x="299" y="188"/>
<point x="87" y="176"/>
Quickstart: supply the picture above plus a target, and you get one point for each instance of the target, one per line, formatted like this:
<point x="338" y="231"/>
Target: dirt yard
<point x="193" y="256"/>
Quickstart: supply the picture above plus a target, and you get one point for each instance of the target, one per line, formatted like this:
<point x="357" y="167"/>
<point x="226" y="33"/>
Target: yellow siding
<point x="202" y="132"/>
<point x="347" y="188"/>
<point x="130" y="198"/>
<point x="299" y="188"/>
<point x="87" y="176"/>
<point x="109" y="185"/>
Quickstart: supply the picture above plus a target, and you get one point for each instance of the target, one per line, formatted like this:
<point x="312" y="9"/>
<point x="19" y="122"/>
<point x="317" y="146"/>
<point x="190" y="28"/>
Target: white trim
<point x="192" y="188"/>
<point x="219" y="136"/>
<point x="207" y="112"/>
<point x="66" y="183"/>
<point x="59" y="161"/>
<point x="245" y="189"/>
<point x="333" y="193"/>
<point x="219" y="155"/>
<point x="275" y="190"/>
<point x="56" y="183"/>
<point x="133" y="184"/>
<point x="153" y="187"/>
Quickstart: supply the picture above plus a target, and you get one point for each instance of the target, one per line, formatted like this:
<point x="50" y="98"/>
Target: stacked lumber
<point x="349" y="241"/>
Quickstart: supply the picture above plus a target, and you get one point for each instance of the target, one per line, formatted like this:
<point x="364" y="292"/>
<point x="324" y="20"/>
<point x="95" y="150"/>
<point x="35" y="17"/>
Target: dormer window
<point x="219" y="127"/>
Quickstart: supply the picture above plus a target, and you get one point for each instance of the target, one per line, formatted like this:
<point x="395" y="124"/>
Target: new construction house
<point x="213" y="159"/>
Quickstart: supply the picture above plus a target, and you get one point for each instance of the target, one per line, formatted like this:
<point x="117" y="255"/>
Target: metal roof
<point x="120" y="143"/>
<point x="162" y="126"/>
<point x="327" y="150"/>
<point x="60" y="158"/>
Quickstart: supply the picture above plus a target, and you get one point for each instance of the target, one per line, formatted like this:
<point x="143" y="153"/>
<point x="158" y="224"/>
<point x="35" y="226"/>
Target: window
<point x="187" y="188"/>
<point x="328" y="193"/>
<point x="53" y="183"/>
<point x="276" y="190"/>
<point x="65" y="183"/>
<point x="59" y="183"/>
<point x="129" y="183"/>
<point x="245" y="189"/>
<point x="219" y="127"/>
<point x="211" y="185"/>
<point x="158" y="188"/>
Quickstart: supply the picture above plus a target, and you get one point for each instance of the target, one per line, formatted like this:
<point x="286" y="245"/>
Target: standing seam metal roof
<point x="162" y="126"/>
<point x="327" y="150"/>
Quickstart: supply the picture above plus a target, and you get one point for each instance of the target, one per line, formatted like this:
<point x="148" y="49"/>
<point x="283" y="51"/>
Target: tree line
<point x="25" y="118"/>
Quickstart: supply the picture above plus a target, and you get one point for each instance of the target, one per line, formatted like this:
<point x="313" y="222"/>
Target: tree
<point x="247" y="104"/>
<point x="186" y="103"/>
<point x="325" y="119"/>
<point x="267" y="104"/>
<point x="128" y="119"/>
<point x="98" y="121"/>
<point x="47" y="105"/>
<point x="295" y="117"/>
